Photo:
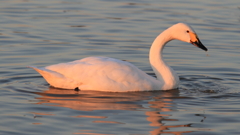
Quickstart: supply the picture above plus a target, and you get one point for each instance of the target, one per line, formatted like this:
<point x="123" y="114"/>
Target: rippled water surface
<point x="43" y="32"/>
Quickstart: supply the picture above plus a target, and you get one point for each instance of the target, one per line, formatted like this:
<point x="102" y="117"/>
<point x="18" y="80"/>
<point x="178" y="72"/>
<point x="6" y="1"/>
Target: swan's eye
<point x="187" y="31"/>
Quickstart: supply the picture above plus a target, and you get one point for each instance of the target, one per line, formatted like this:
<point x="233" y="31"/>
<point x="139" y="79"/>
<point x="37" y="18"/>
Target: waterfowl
<point x="109" y="74"/>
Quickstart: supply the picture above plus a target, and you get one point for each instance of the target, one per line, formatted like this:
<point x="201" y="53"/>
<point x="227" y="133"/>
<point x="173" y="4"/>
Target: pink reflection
<point x="157" y="102"/>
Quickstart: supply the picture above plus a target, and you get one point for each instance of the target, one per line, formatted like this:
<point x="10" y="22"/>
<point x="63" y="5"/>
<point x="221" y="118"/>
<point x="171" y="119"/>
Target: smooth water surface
<point x="43" y="32"/>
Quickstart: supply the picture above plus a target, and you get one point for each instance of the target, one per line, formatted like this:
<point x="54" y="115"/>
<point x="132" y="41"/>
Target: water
<point x="42" y="33"/>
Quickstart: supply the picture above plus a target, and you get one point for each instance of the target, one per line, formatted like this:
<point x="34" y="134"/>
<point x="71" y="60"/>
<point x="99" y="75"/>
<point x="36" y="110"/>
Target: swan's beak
<point x="195" y="41"/>
<point x="199" y="44"/>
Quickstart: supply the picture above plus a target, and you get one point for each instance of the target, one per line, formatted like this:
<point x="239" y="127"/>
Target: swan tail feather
<point x="55" y="79"/>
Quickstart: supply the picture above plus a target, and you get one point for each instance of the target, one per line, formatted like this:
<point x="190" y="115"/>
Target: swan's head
<point x="184" y="32"/>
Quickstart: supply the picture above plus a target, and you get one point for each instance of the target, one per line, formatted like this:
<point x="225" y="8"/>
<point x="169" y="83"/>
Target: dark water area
<point x="42" y="33"/>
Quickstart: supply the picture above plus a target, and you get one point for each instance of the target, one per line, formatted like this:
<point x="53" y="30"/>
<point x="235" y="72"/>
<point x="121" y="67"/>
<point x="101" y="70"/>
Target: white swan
<point x="109" y="74"/>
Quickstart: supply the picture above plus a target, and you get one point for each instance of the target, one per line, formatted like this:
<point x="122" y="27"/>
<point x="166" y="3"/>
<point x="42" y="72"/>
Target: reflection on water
<point x="156" y="106"/>
<point x="90" y="100"/>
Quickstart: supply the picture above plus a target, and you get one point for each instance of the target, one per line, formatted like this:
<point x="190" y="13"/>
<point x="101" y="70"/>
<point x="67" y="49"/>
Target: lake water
<point x="43" y="32"/>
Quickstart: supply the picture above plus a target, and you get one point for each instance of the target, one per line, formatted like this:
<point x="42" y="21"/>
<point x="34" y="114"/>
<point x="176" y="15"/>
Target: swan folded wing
<point x="101" y="73"/>
<point x="97" y="73"/>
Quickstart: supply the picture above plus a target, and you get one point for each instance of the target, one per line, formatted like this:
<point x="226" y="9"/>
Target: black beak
<point x="199" y="44"/>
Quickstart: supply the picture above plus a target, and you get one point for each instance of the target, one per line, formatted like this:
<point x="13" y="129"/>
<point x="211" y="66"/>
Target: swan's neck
<point x="163" y="72"/>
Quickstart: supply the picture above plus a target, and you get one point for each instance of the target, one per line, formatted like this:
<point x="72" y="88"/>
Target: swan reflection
<point x="156" y="106"/>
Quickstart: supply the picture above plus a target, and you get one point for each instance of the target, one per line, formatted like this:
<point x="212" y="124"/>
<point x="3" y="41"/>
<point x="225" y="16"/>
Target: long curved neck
<point x="162" y="70"/>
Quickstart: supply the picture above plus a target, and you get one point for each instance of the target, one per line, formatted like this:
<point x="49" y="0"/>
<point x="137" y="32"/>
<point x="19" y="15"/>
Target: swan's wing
<point x="98" y="73"/>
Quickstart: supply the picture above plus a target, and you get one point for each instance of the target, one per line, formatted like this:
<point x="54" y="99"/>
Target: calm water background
<point x="43" y="32"/>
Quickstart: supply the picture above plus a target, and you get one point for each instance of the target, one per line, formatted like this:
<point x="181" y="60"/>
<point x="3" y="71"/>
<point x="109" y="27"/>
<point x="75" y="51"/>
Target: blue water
<point x="41" y="33"/>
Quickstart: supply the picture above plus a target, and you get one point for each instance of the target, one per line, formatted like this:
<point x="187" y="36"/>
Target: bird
<point x="101" y="73"/>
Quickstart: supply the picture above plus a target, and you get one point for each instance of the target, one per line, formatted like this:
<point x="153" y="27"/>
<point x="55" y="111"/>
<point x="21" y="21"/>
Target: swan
<point x="109" y="74"/>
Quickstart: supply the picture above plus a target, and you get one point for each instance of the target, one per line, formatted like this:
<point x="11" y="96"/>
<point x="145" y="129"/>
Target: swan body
<point x="109" y="74"/>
